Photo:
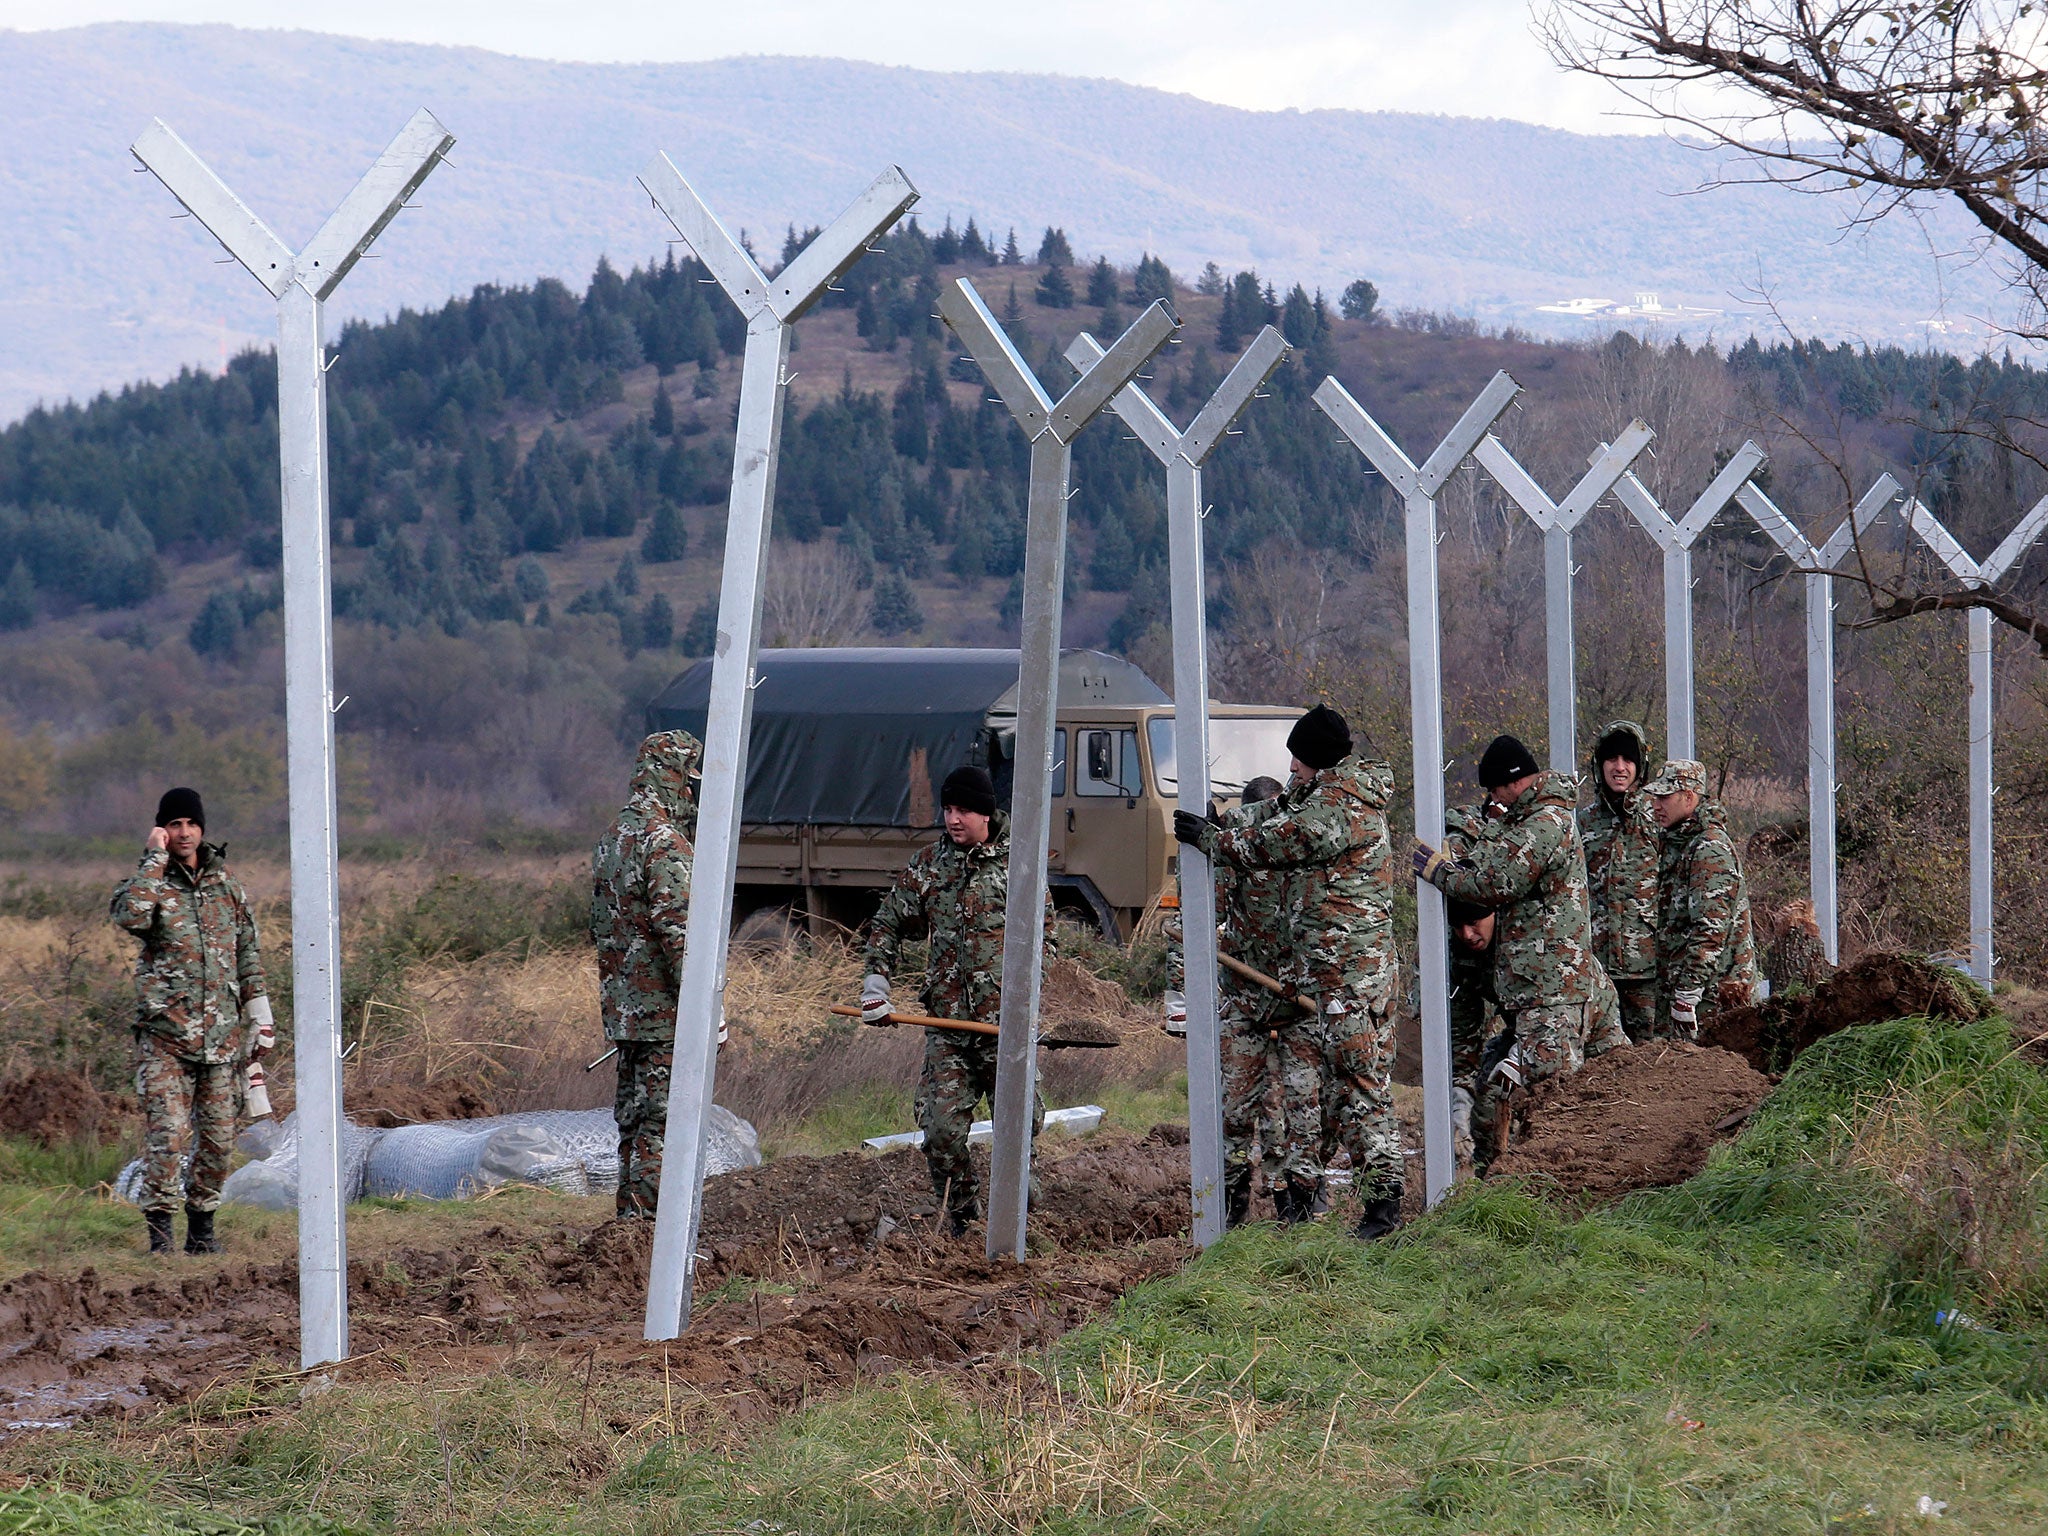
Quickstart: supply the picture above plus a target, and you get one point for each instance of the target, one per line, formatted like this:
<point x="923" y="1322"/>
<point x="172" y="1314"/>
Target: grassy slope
<point x="1742" y="1354"/>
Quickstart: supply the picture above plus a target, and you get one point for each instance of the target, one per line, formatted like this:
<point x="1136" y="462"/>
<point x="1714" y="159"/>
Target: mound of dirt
<point x="391" y="1105"/>
<point x="1634" y="1119"/>
<point x="1878" y="986"/>
<point x="59" y="1108"/>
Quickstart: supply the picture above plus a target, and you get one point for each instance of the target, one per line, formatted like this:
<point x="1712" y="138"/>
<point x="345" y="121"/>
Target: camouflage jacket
<point x="1621" y="841"/>
<point x="1703" y="928"/>
<point x="957" y="896"/>
<point x="1529" y="866"/>
<point x="1331" y="836"/>
<point x="640" y="892"/>
<point x="200" y="960"/>
<point x="1254" y="923"/>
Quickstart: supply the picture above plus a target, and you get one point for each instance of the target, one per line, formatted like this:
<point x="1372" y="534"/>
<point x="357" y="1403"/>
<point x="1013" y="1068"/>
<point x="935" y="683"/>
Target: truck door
<point x="1103" y="817"/>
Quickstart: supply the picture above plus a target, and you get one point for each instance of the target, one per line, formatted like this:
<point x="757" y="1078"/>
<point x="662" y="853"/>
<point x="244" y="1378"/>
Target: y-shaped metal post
<point x="772" y="307"/>
<point x="1676" y="540"/>
<point x="1183" y="454"/>
<point x="1419" y="488"/>
<point x="1557" y="520"/>
<point x="300" y="281"/>
<point x="1051" y="428"/>
<point x="1820" y="678"/>
<point x="1985" y="575"/>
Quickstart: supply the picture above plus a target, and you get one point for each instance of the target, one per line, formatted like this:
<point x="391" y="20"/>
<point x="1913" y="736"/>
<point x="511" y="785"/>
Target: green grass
<point x="1746" y="1354"/>
<point x="52" y="1208"/>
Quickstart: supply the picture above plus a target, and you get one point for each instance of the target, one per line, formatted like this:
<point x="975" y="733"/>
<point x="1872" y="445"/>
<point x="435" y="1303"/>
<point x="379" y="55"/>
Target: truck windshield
<point x="1239" y="749"/>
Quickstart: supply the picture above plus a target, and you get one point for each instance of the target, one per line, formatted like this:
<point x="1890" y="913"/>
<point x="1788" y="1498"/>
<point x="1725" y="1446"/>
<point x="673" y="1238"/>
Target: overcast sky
<point x="1467" y="57"/>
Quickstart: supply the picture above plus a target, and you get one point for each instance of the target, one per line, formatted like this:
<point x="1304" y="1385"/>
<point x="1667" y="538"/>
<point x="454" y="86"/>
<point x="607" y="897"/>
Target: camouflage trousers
<point x="1546" y="1041"/>
<point x="1604" y="1031"/>
<point x="959" y="1072"/>
<point x="641" y="1110"/>
<point x="178" y="1098"/>
<point x="1261" y="1053"/>
<point x="1358" y="1092"/>
<point x="1638" y="1006"/>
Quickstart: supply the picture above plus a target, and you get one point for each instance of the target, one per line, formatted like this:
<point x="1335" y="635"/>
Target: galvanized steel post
<point x="1051" y="427"/>
<point x="1558" y="520"/>
<point x="299" y="281"/>
<point x="1418" y="488"/>
<point x="1983" y="958"/>
<point x="1183" y="454"/>
<point x="1820" y="679"/>
<point x="772" y="307"/>
<point x="1676" y="539"/>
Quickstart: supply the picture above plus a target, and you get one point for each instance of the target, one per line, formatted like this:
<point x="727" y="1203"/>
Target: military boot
<point x="1237" y="1201"/>
<point x="1382" y="1215"/>
<point x="199" y="1236"/>
<point x="1294" y="1202"/>
<point x="159" y="1230"/>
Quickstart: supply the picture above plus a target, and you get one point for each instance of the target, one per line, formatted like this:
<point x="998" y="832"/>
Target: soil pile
<point x="1634" y="1119"/>
<point x="874" y="1288"/>
<point x="1878" y="986"/>
<point x="391" y="1105"/>
<point x="61" y="1108"/>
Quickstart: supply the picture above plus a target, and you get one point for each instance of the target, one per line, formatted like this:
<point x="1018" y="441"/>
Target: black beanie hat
<point x="180" y="805"/>
<point x="1619" y="743"/>
<point x="1320" y="738"/>
<point x="1505" y="760"/>
<point x="971" y="789"/>
<point x="1459" y="913"/>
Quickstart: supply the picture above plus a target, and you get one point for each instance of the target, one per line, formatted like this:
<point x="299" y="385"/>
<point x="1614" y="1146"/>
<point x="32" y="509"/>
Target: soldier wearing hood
<point x="1529" y="866"/>
<point x="956" y="891"/>
<point x="1706" y="953"/>
<point x="1622" y="844"/>
<point x="1331" y="829"/>
<point x="639" y="919"/>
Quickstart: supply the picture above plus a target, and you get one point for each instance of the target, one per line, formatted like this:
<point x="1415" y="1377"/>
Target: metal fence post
<point x="1558" y="520"/>
<point x="772" y="307"/>
<point x="1183" y="454"/>
<point x="300" y="281"/>
<point x="1676" y="539"/>
<point x="1983" y="958"/>
<point x="1418" y="488"/>
<point x="1051" y="426"/>
<point x="1820" y="679"/>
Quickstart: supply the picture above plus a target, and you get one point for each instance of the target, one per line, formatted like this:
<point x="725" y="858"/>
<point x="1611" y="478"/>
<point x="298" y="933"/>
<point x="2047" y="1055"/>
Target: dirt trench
<point x="1877" y="986"/>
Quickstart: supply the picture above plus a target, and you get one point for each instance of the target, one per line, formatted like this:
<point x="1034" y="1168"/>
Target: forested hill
<point x="529" y="452"/>
<point x="1483" y="218"/>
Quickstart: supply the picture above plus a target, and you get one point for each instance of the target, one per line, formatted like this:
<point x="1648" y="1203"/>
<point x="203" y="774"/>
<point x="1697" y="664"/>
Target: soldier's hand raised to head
<point x="159" y="840"/>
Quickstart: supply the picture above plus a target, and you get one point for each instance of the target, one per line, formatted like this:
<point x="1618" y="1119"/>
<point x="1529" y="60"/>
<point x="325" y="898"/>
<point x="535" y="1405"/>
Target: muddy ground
<point x="1877" y="986"/>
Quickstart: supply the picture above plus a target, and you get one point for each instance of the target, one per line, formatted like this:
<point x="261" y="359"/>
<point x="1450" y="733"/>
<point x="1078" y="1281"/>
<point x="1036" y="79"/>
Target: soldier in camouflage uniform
<point x="200" y="1006"/>
<point x="1331" y="831"/>
<point x="1260" y="1050"/>
<point x="1706" y="954"/>
<point x="1622" y="845"/>
<point x="956" y="891"/>
<point x="639" y="917"/>
<point x="1529" y="866"/>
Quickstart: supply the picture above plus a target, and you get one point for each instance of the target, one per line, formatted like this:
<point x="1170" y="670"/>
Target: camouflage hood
<point x="1711" y="816"/>
<point x="1550" y="788"/>
<point x="1366" y="780"/>
<point x="1642" y="740"/>
<point x="667" y="771"/>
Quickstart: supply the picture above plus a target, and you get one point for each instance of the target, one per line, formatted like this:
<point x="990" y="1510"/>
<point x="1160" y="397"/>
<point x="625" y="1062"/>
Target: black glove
<point x="1190" y="828"/>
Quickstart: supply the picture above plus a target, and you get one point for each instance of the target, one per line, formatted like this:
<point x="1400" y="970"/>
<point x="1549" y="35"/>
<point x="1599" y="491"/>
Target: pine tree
<point x="1152" y="281"/>
<point x="217" y="631"/>
<point x="701" y="633"/>
<point x="663" y="419"/>
<point x="1116" y="557"/>
<point x="1360" y="301"/>
<point x="946" y="245"/>
<point x="1013" y="312"/>
<point x="1210" y="283"/>
<point x="1053" y="249"/>
<point x="657" y="623"/>
<point x="627" y="581"/>
<point x="530" y="581"/>
<point x="668" y="539"/>
<point x="1102" y="283"/>
<point x="972" y="247"/>
<point x="1055" y="289"/>
<point x="894" y="610"/>
<point x="18" y="598"/>
<point x="1013" y="254"/>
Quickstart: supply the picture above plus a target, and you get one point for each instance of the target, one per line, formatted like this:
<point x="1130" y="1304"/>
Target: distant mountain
<point x="1488" y="218"/>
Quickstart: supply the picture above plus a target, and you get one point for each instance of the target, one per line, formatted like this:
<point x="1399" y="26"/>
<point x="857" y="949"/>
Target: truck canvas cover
<point x="863" y="736"/>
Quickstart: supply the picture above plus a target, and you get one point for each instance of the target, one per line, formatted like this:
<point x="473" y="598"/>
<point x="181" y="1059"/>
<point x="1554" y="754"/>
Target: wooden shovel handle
<point x="922" y="1021"/>
<point x="1260" y="978"/>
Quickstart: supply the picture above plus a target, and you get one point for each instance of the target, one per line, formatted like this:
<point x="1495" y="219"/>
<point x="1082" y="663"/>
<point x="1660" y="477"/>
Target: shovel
<point x="1293" y="995"/>
<point x="1082" y="1034"/>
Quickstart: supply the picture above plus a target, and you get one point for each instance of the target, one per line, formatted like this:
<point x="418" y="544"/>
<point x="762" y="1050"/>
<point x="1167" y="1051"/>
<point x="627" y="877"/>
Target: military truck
<point x="850" y="746"/>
